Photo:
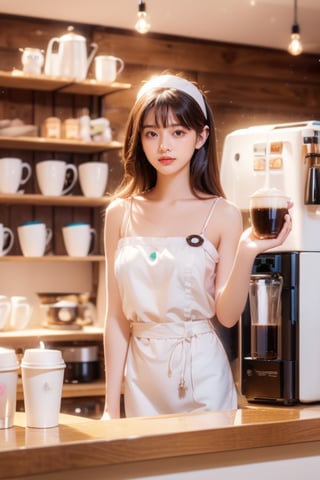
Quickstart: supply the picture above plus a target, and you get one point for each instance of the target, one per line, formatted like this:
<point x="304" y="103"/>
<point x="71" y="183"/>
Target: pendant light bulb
<point x="143" y="24"/>
<point x="295" y="46"/>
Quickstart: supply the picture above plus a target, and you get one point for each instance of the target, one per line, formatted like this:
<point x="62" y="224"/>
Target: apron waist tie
<point x="182" y="333"/>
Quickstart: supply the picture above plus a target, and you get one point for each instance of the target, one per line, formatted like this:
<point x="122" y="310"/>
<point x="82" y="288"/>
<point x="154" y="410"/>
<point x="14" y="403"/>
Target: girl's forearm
<point x="231" y="300"/>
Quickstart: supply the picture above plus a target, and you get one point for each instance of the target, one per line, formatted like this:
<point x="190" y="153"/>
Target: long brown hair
<point x="139" y="175"/>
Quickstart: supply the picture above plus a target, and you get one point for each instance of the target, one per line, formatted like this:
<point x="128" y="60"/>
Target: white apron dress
<point x="176" y="363"/>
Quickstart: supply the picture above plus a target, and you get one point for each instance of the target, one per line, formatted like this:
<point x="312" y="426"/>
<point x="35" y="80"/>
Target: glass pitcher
<point x="265" y="307"/>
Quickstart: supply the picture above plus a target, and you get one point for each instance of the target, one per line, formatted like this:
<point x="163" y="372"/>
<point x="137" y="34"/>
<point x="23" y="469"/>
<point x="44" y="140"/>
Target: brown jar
<point x="52" y="128"/>
<point x="71" y="129"/>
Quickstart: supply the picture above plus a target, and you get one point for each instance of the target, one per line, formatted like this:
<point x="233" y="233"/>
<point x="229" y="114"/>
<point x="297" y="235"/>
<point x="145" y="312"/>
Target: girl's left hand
<point x="261" y="245"/>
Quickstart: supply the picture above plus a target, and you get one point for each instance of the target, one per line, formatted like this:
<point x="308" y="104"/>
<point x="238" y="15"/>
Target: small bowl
<point x="62" y="313"/>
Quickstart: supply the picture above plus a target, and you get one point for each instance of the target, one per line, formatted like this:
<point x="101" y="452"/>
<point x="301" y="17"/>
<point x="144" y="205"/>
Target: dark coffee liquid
<point x="267" y="222"/>
<point x="264" y="341"/>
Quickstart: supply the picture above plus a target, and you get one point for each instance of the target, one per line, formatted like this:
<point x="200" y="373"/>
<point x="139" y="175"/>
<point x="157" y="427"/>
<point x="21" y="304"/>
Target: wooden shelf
<point x="66" y="200"/>
<point x="29" y="338"/>
<point x="57" y="145"/>
<point x="92" y="87"/>
<point x="52" y="258"/>
<point x="74" y="390"/>
<point x="17" y="79"/>
<point x="88" y="389"/>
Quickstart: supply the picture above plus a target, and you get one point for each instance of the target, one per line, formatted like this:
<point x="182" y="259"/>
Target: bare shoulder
<point x="225" y="226"/>
<point x="115" y="210"/>
<point x="228" y="211"/>
<point x="229" y="227"/>
<point x="113" y="218"/>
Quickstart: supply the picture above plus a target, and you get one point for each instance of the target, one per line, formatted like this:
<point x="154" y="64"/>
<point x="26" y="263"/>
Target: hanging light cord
<point x="295" y="47"/>
<point x="295" y="13"/>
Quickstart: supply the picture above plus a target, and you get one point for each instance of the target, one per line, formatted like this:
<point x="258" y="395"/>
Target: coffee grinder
<point x="280" y="327"/>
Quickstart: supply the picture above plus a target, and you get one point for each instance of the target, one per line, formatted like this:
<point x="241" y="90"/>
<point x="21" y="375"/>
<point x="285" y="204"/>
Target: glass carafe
<point x="265" y="308"/>
<point x="312" y="191"/>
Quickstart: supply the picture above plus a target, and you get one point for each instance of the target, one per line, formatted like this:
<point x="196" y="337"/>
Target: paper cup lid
<point x="42" y="358"/>
<point x="8" y="359"/>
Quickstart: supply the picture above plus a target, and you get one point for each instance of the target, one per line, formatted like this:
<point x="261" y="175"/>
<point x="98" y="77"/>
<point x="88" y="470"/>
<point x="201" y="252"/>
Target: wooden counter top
<point x="82" y="443"/>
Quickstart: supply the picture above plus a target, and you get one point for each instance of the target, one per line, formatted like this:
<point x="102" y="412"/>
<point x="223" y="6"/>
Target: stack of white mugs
<point x="51" y="176"/>
<point x="34" y="236"/>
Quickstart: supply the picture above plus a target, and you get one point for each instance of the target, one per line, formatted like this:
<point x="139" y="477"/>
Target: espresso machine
<point x="279" y="334"/>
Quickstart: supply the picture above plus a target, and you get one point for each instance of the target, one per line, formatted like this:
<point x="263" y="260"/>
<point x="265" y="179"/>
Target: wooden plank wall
<point x="245" y="85"/>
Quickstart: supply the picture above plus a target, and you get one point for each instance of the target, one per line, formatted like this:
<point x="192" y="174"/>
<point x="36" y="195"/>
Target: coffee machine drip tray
<point x="269" y="381"/>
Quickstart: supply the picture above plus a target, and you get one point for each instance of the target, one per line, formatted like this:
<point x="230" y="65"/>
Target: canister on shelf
<point x="52" y="128"/>
<point x="71" y="129"/>
<point x="84" y="125"/>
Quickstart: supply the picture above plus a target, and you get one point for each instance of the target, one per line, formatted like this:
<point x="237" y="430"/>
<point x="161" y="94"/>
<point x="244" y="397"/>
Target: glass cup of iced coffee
<point x="268" y="208"/>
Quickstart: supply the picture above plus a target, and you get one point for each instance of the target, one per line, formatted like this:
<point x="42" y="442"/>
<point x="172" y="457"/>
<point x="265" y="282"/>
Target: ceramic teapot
<point x="71" y="59"/>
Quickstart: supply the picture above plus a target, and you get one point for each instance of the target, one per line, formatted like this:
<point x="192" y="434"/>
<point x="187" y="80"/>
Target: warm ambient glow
<point x="295" y="46"/>
<point x="143" y="23"/>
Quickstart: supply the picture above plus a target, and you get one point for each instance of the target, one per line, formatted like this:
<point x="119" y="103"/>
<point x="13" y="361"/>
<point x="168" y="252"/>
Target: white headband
<point x="172" y="81"/>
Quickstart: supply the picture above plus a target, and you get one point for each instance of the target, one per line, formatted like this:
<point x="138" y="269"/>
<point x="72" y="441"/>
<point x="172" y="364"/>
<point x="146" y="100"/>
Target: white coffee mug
<point x="93" y="177"/>
<point x="52" y="175"/>
<point x="13" y="173"/>
<point x="107" y="68"/>
<point x="5" y="306"/>
<point x="6" y="240"/>
<point x="34" y="237"/>
<point x="20" y="312"/>
<point x="78" y="238"/>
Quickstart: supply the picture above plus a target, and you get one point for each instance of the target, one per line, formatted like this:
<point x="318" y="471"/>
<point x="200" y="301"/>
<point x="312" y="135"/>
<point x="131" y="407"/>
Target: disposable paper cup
<point x="42" y="379"/>
<point x="8" y="386"/>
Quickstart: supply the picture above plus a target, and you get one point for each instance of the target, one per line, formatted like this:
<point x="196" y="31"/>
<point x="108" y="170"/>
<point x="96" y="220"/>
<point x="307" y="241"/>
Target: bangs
<point x="172" y="102"/>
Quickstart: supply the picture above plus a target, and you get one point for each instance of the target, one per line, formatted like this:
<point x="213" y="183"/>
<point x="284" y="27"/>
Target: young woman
<point x="176" y="257"/>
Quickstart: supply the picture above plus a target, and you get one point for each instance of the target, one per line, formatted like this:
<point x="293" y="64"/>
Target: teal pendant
<point x="153" y="256"/>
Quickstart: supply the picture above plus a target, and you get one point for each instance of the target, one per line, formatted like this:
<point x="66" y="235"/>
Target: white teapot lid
<point x="72" y="37"/>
